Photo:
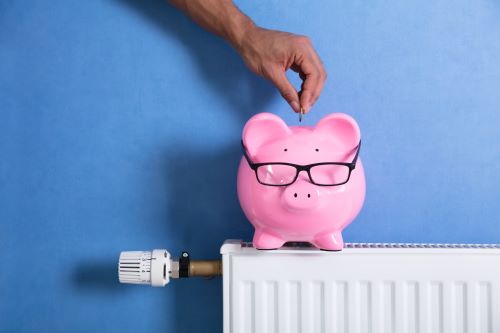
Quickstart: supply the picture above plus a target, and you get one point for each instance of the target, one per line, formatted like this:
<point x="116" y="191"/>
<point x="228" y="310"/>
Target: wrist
<point x="238" y="30"/>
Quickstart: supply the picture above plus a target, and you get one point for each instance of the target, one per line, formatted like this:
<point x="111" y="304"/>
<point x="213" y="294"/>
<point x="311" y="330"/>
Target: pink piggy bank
<point x="302" y="184"/>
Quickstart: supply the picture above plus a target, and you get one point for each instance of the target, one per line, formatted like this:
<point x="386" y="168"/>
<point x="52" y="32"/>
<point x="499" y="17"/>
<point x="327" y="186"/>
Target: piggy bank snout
<point x="301" y="195"/>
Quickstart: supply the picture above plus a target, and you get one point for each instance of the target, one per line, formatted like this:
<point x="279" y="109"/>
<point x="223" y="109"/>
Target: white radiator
<point x="366" y="288"/>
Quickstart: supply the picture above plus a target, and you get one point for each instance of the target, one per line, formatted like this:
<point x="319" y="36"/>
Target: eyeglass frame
<point x="299" y="168"/>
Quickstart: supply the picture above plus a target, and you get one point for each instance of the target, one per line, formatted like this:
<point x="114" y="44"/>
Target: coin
<point x="301" y="114"/>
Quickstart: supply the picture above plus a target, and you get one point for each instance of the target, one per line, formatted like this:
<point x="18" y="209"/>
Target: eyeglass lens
<point x="329" y="174"/>
<point x="282" y="174"/>
<point x="276" y="174"/>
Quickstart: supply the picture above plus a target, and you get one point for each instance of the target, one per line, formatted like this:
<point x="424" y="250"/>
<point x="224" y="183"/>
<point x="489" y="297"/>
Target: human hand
<point x="268" y="53"/>
<point x="271" y="53"/>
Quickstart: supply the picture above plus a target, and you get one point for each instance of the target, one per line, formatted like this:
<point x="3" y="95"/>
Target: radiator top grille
<point x="421" y="246"/>
<point x="394" y="245"/>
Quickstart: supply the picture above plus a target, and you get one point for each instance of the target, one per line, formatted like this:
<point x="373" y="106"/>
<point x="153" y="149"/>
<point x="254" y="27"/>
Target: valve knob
<point x="145" y="267"/>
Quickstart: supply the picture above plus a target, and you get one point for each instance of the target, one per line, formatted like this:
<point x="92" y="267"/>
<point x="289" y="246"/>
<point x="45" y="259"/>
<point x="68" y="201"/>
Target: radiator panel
<point x="361" y="290"/>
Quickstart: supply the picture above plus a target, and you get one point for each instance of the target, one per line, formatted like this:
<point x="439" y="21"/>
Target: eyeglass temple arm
<point x="244" y="149"/>
<point x="353" y="163"/>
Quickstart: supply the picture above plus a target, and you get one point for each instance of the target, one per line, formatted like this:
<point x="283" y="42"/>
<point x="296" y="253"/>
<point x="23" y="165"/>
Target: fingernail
<point x="307" y="108"/>
<point x="295" y="106"/>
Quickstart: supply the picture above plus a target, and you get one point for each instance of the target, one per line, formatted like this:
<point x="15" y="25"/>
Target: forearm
<point x="221" y="17"/>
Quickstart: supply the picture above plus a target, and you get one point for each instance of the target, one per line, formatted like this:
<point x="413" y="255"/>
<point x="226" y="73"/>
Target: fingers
<point x="286" y="89"/>
<point x="313" y="73"/>
<point x="275" y="52"/>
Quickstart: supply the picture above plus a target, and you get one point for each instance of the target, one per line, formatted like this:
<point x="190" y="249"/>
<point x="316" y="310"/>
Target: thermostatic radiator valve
<point x="157" y="267"/>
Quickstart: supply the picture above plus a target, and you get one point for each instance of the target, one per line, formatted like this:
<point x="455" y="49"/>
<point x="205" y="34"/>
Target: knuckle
<point x="304" y="40"/>
<point x="323" y="75"/>
<point x="267" y="71"/>
<point x="287" y="95"/>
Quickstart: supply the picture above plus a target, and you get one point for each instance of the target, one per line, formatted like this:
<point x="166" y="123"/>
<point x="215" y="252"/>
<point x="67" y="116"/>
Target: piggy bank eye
<point x="317" y="149"/>
<point x="285" y="149"/>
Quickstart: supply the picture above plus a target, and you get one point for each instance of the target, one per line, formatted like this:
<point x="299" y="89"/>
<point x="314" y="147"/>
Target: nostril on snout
<point x="295" y="195"/>
<point x="308" y="195"/>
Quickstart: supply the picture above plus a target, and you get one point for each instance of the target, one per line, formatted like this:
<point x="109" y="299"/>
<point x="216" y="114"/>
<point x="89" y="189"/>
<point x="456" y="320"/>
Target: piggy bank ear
<point x="342" y="127"/>
<point x="262" y="128"/>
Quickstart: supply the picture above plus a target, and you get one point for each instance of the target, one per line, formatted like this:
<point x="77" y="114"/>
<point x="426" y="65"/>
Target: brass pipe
<point x="205" y="268"/>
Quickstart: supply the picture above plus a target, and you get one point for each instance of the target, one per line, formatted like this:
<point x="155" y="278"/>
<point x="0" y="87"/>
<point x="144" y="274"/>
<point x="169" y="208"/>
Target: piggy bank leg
<point x="266" y="241"/>
<point x="329" y="241"/>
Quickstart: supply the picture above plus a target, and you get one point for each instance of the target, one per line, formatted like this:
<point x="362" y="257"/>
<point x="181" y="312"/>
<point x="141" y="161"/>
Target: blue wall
<point x="120" y="123"/>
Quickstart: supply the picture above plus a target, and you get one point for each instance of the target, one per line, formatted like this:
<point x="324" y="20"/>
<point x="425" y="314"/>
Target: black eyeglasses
<point x="284" y="174"/>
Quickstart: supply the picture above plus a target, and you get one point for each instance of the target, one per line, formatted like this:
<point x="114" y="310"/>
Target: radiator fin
<point x="365" y="306"/>
<point x="387" y="306"/>
<point x="319" y="311"/>
<point x="413" y="302"/>
<point x="341" y="304"/>
<point x="485" y="310"/>
<point x="246" y="308"/>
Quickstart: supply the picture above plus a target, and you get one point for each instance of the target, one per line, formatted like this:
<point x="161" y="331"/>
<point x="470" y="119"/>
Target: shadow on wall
<point x="203" y="212"/>
<point x="211" y="215"/>
<point x="97" y="277"/>
<point x="203" y="208"/>
<point x="203" y="204"/>
<point x="220" y="66"/>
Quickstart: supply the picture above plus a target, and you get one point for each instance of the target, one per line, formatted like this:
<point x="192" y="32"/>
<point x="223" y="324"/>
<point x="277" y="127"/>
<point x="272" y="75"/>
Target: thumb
<point x="286" y="89"/>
